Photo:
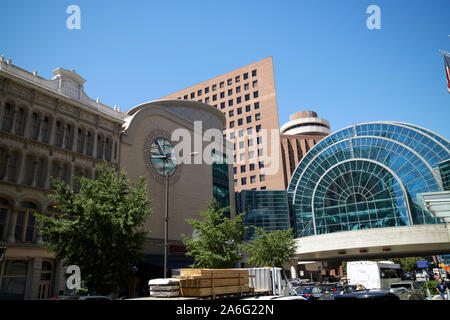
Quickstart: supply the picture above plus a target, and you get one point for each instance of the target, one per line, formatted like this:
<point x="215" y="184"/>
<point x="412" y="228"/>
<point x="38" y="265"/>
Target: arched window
<point x="26" y="222"/>
<point x="13" y="166"/>
<point x="68" y="136"/>
<point x="29" y="169"/>
<point x="100" y="142"/>
<point x="54" y="172"/>
<point x="89" y="143"/>
<point x="108" y="149"/>
<point x="45" y="132"/>
<point x="65" y="174"/>
<point x="3" y="161"/>
<point x="20" y="121"/>
<point x="58" y="133"/>
<point x="4" y="211"/>
<point x="41" y="172"/>
<point x="34" y="126"/>
<point x="80" y="140"/>
<point x="7" y="117"/>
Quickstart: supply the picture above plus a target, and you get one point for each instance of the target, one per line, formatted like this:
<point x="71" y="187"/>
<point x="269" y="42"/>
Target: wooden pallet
<point x="197" y="282"/>
<point x="214" y="273"/>
<point x="212" y="291"/>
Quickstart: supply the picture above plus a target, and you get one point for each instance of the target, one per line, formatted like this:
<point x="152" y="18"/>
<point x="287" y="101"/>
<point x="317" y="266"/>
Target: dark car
<point x="367" y="295"/>
<point x="331" y="287"/>
<point x="81" y="298"/>
<point x="310" y="292"/>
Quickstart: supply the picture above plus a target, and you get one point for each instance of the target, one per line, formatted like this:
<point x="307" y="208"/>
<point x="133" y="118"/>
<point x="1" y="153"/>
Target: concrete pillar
<point x="35" y="278"/>
<point x="12" y="226"/>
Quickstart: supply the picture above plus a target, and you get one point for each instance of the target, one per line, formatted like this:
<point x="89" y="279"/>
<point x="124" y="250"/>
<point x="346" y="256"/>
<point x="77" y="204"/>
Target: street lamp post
<point x="166" y="217"/>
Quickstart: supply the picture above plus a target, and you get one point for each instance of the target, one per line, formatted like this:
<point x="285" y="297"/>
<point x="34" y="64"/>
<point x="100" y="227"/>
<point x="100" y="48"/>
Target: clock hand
<point x="160" y="148"/>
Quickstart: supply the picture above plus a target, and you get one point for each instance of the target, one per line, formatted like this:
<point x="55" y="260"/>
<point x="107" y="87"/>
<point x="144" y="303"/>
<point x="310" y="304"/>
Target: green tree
<point x="217" y="242"/>
<point x="408" y="263"/>
<point x="270" y="249"/>
<point x="99" y="227"/>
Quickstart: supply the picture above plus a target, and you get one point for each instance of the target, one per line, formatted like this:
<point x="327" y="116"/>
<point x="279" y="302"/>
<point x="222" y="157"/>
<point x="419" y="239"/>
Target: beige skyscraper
<point x="247" y="98"/>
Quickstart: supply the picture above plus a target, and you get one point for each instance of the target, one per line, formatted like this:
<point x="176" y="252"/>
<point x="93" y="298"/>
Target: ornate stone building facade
<point x="48" y="128"/>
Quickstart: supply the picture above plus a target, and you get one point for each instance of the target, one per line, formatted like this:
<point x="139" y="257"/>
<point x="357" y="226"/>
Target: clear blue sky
<point x="325" y="57"/>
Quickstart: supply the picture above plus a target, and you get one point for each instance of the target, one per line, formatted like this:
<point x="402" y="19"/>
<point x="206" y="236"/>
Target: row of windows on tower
<point x="40" y="129"/>
<point x="248" y="119"/>
<point x="229" y="82"/>
<point x="252" y="180"/>
<point x="251" y="167"/>
<point x="249" y="143"/>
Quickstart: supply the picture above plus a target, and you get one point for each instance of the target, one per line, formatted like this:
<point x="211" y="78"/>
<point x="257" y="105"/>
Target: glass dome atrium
<point x="367" y="176"/>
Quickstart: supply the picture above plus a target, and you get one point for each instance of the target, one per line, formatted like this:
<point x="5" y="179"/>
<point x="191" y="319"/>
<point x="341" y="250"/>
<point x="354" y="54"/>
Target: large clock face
<point x="162" y="157"/>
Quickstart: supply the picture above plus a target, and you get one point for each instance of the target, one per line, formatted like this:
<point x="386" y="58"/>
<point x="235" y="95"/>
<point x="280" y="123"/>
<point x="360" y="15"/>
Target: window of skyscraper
<point x="207" y="89"/>
<point x="222" y="95"/>
<point x="259" y="140"/>
<point x="207" y="100"/>
<point x="249" y="119"/>
<point x="199" y="100"/>
<point x="250" y="142"/>
<point x="238" y="89"/>
<point x="235" y="182"/>
<point x="229" y="82"/>
<point x="258" y="128"/>
<point x="238" y="100"/>
<point x="246" y="86"/>
<point x="257" y="116"/>
<point x="260" y="152"/>
<point x="230" y="102"/>
<point x="247" y="97"/>
<point x="232" y="135"/>
<point x="242" y="157"/>
<point x="199" y="92"/>
<point x="222" y="105"/>
<point x="237" y="79"/>
<point x="234" y="170"/>
<point x="230" y="92"/>
<point x="243" y="168"/>
<point x="239" y="110"/>
<point x="240" y="122"/>
<point x="255" y="94"/>
<point x="241" y="133"/>
<point x="251" y="166"/>
<point x="251" y="154"/>
<point x="241" y="144"/>
<point x="214" y="87"/>
<point x="263" y="188"/>
<point x="192" y="95"/>
<point x="231" y="124"/>
<point x="214" y="97"/>
<point x="262" y="177"/>
<point x="244" y="181"/>
<point x="245" y="76"/>
<point x="261" y="164"/>
<point x="256" y="105"/>
<point x="255" y="83"/>
<point x="247" y="108"/>
<point x="215" y="106"/>
<point x="252" y="179"/>
<point x="185" y="97"/>
<point x="231" y="113"/>
<point x="254" y="73"/>
<point x="249" y="131"/>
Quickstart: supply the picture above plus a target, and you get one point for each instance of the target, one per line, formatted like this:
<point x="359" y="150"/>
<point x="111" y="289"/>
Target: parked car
<point x="310" y="292"/>
<point x="368" y="295"/>
<point x="343" y="289"/>
<point x="81" y="298"/>
<point x="331" y="287"/>
<point x="408" y="290"/>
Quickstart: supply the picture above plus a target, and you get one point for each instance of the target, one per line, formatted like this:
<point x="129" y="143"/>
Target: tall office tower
<point x="302" y="132"/>
<point x="247" y="98"/>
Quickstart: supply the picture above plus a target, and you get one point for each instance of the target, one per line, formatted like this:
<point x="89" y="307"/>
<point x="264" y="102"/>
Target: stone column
<point x="12" y="226"/>
<point x="34" y="173"/>
<point x="94" y="148"/>
<point x="52" y="132"/>
<point x="35" y="278"/>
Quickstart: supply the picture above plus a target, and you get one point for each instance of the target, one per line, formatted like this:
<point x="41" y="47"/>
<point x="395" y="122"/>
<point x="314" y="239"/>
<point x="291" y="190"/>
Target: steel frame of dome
<point x="411" y="154"/>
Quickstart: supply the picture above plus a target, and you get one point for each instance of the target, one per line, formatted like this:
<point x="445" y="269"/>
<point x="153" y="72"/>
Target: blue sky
<point x="325" y="57"/>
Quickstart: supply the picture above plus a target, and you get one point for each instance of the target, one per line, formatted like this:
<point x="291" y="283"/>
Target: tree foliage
<point x="218" y="238"/>
<point x="98" y="228"/>
<point x="270" y="249"/>
<point x="408" y="263"/>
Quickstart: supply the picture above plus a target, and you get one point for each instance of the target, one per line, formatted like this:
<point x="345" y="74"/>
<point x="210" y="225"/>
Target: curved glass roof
<point x="365" y="176"/>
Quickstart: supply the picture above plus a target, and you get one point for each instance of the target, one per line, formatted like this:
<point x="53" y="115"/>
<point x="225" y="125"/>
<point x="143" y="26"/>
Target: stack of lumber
<point x="164" y="287"/>
<point x="212" y="282"/>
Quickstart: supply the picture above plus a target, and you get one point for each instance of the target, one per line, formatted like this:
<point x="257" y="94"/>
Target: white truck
<point x="373" y="275"/>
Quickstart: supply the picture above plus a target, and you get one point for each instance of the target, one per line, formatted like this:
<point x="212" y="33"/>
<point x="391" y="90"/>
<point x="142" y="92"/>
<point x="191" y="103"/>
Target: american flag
<point x="447" y="70"/>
